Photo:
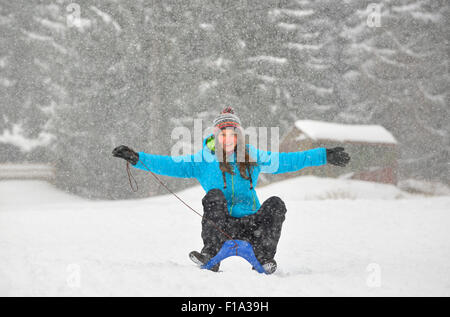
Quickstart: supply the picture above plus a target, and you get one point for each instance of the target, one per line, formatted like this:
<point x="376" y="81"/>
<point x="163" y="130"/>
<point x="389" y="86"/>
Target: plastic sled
<point x="242" y="249"/>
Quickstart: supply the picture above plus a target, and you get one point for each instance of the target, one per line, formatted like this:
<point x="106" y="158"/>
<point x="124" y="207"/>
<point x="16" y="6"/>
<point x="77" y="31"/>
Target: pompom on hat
<point x="227" y="119"/>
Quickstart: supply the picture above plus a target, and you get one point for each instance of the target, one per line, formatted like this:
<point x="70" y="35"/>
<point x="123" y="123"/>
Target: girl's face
<point x="228" y="139"/>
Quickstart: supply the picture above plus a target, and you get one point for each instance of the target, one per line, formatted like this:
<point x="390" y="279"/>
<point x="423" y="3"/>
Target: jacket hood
<point x="209" y="143"/>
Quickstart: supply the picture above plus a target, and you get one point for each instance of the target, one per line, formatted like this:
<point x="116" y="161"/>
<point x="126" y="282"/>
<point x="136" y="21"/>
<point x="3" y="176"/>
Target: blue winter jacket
<point x="204" y="166"/>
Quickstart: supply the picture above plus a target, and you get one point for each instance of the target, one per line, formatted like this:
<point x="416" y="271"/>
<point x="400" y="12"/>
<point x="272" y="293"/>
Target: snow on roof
<point x="269" y="59"/>
<point x="320" y="130"/>
<point x="292" y="13"/>
<point x="26" y="170"/>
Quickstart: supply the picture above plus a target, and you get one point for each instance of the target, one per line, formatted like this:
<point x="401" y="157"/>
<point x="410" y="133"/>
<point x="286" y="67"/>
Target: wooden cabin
<point x="373" y="149"/>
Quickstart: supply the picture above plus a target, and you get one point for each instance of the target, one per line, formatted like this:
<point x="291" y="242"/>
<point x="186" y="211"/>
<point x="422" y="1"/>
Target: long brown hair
<point x="244" y="161"/>
<point x="247" y="164"/>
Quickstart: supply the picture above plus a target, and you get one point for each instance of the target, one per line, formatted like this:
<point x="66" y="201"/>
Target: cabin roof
<point x="320" y="130"/>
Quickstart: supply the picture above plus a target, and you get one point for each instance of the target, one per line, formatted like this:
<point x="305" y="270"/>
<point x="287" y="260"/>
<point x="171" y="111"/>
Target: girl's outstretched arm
<point x="185" y="166"/>
<point x="284" y="162"/>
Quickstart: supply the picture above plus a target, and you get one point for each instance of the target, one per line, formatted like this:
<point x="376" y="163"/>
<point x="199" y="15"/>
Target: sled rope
<point x="131" y="176"/>
<point x="170" y="191"/>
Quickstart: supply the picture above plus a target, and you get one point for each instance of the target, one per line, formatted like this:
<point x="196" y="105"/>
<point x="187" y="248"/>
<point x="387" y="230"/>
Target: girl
<point x="228" y="170"/>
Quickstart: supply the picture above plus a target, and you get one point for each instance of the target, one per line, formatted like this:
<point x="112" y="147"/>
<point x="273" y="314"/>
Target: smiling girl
<point x="228" y="170"/>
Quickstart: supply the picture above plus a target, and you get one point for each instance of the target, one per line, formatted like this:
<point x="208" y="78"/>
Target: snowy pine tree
<point x="399" y="78"/>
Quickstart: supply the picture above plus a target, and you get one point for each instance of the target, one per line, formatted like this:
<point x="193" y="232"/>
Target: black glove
<point x="337" y="156"/>
<point x="126" y="153"/>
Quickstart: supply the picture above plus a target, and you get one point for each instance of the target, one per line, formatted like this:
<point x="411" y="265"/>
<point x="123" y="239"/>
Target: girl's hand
<point x="337" y="156"/>
<point x="126" y="153"/>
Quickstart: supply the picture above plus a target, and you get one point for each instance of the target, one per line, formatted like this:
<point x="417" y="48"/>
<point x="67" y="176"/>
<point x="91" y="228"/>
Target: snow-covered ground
<point x="341" y="237"/>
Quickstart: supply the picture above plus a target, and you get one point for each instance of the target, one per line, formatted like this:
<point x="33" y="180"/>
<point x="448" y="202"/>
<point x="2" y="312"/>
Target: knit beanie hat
<point x="226" y="119"/>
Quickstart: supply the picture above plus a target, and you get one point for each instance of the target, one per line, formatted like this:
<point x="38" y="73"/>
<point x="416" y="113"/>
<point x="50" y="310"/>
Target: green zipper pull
<point x="232" y="195"/>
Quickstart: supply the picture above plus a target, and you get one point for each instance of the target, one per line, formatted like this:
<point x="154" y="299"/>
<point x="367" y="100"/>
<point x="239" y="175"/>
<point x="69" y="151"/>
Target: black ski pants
<point x="262" y="229"/>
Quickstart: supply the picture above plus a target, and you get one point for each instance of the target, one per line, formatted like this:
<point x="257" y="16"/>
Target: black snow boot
<point x="201" y="259"/>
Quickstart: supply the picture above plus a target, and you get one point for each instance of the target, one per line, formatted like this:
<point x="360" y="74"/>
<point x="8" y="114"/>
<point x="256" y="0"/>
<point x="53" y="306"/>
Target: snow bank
<point x="321" y="188"/>
<point x="424" y="187"/>
<point x="329" y="247"/>
<point x="19" y="194"/>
